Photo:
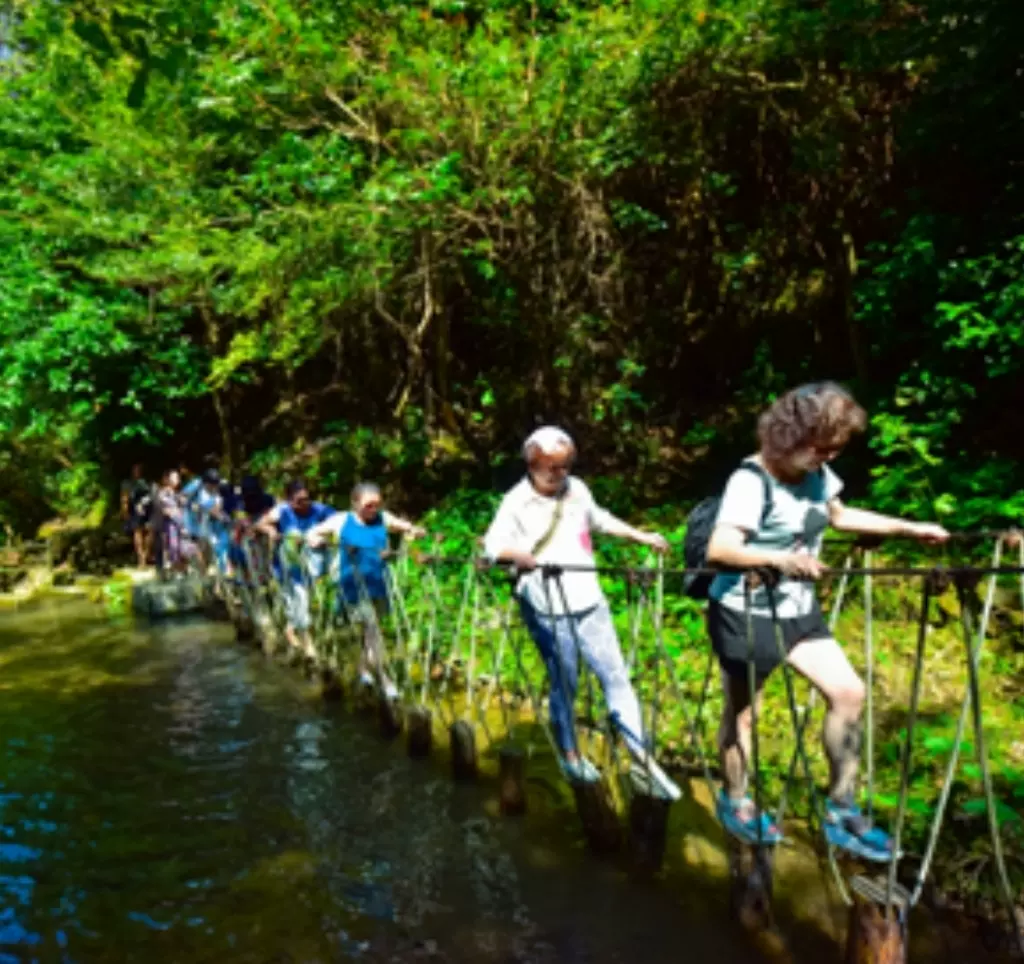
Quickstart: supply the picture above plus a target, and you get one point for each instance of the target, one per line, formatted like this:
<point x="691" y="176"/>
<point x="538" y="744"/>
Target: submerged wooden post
<point x="877" y="933"/>
<point x="330" y="685"/>
<point x="389" y="716"/>
<point x="601" y="824"/>
<point x="214" y="607"/>
<point x="365" y="698"/>
<point x="512" y="776"/>
<point x="648" y="825"/>
<point x="310" y="665"/>
<point x="751" y="876"/>
<point x="463" y="747"/>
<point x="245" y="628"/>
<point x="419" y="734"/>
<point x="266" y="632"/>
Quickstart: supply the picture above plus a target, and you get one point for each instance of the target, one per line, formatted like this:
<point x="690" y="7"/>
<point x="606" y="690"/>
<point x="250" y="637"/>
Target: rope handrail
<point x="552" y="569"/>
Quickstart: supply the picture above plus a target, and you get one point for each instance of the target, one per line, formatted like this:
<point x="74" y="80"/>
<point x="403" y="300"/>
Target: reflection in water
<point x="166" y="797"/>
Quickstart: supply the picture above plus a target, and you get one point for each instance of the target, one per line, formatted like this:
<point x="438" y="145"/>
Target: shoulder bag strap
<point x="556" y="517"/>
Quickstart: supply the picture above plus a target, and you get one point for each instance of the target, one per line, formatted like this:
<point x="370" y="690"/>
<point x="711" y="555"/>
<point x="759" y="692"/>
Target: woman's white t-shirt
<point x="798" y="519"/>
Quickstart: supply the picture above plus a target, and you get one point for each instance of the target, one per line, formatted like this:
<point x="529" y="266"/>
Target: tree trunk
<point x="847" y="274"/>
<point x="224" y="424"/>
<point x="217" y="395"/>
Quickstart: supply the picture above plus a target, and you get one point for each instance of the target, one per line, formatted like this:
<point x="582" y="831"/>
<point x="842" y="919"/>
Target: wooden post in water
<point x="512" y="763"/>
<point x="597" y="814"/>
<point x="310" y="666"/>
<point x="365" y="698"/>
<point x="330" y="685"/>
<point x="877" y="934"/>
<point x="463" y="747"/>
<point x="245" y="631"/>
<point x="419" y="733"/>
<point x="214" y="607"/>
<point x="648" y="825"/>
<point x="245" y="628"/>
<point x="266" y="632"/>
<point x="389" y="716"/>
<point x="751" y="882"/>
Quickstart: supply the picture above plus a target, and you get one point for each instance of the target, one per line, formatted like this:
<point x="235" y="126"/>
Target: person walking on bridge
<point x="213" y="516"/>
<point x="292" y="520"/>
<point x="251" y="504"/>
<point x="136" y="511"/>
<point x="362" y="538"/>
<point x="547" y="520"/>
<point x="175" y="548"/>
<point x="773" y="515"/>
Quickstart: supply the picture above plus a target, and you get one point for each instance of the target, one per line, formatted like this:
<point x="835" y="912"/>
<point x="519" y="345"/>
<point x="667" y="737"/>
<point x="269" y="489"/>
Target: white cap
<point x="548" y="438"/>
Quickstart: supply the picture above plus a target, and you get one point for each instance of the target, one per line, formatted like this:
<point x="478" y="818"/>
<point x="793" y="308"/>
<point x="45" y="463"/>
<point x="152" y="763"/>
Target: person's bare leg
<point x="298" y="620"/>
<point x="307" y="644"/>
<point x="735" y="735"/>
<point x="824" y="664"/>
<point x="139" y="541"/>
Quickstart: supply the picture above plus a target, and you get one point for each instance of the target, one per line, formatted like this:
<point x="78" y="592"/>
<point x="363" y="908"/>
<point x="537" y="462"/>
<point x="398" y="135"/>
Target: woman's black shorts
<point x="136" y="522"/>
<point x="729" y="639"/>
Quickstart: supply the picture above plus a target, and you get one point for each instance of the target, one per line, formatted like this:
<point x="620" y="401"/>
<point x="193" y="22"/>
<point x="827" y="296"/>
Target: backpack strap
<point x="766" y="480"/>
<point x="751" y="466"/>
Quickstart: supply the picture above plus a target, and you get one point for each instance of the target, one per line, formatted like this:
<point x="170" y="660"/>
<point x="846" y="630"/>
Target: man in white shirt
<point x="546" y="520"/>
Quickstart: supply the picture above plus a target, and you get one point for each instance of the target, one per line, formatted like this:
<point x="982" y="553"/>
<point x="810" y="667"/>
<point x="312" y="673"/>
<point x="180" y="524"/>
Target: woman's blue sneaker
<point x="730" y="816"/>
<point x="848" y="829"/>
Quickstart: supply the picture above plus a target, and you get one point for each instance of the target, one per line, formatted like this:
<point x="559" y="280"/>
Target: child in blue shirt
<point x="362" y="537"/>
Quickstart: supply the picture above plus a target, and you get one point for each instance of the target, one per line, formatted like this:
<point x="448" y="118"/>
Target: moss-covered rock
<point x="11" y="577"/>
<point x="29" y="582"/>
<point x="156" y="599"/>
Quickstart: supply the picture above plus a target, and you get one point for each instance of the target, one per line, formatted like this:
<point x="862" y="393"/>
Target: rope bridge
<point x="445" y="656"/>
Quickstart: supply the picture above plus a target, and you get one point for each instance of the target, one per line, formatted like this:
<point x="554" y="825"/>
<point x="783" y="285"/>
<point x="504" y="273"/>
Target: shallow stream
<point x="168" y="796"/>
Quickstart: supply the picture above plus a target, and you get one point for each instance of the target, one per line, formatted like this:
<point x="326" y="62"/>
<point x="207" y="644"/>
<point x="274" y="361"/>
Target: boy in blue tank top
<point x="292" y="520"/>
<point x="362" y="537"/>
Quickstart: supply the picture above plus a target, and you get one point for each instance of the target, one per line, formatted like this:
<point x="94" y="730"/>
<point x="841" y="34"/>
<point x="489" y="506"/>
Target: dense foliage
<point x="387" y="238"/>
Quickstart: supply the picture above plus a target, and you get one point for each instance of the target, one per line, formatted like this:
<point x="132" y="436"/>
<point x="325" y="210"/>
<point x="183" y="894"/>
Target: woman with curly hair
<point x="773" y="515"/>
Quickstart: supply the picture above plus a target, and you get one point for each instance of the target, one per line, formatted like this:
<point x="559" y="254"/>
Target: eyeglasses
<point x="558" y="469"/>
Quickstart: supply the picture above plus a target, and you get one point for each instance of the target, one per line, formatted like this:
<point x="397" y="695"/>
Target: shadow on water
<point x="165" y="796"/>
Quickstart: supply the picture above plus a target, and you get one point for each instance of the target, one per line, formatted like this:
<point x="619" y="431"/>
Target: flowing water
<point x="167" y="796"/>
